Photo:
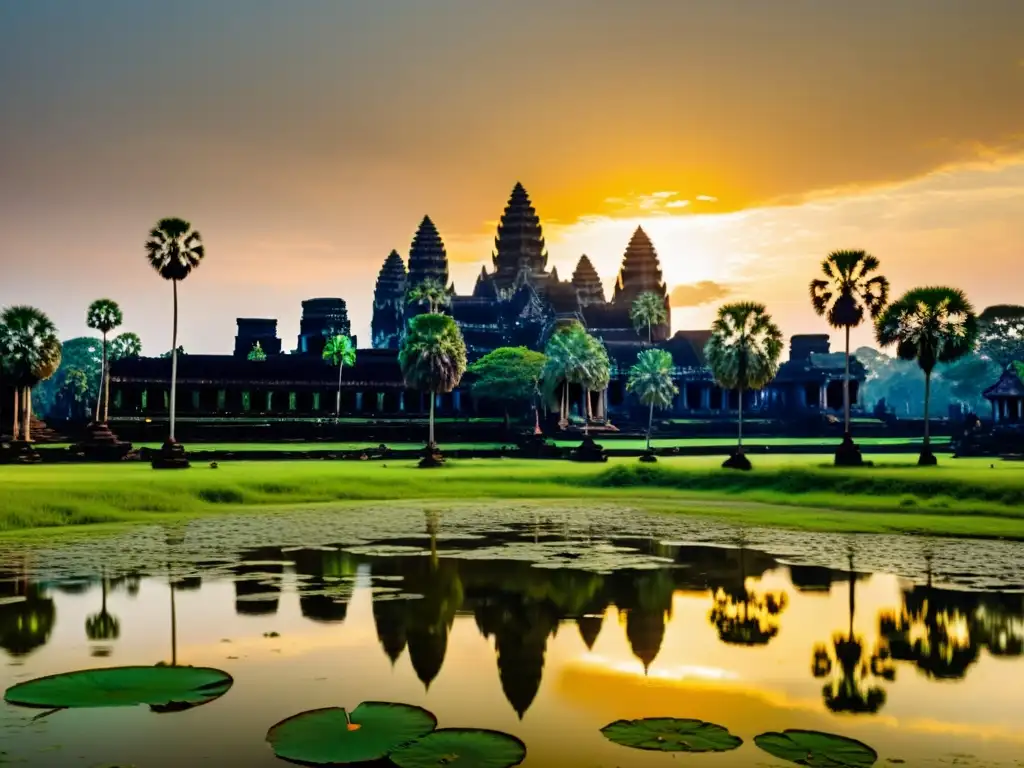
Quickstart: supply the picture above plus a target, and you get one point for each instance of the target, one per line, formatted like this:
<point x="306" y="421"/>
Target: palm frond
<point x="745" y="345"/>
<point x="433" y="354"/>
<point x="848" y="291"/>
<point x="650" y="378"/>
<point x="104" y="315"/>
<point x="174" y="249"/>
<point x="930" y="325"/>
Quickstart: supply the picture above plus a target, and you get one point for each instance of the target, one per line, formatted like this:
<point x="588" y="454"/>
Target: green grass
<point x="726" y="442"/>
<point x="962" y="497"/>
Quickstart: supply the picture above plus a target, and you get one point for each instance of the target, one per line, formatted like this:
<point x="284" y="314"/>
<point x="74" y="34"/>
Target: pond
<point x="544" y="622"/>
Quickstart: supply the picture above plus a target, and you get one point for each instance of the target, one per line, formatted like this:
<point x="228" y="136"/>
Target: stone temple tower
<point x="519" y="254"/>
<point x="389" y="303"/>
<point x="587" y="283"/>
<point x="428" y="259"/>
<point x="641" y="273"/>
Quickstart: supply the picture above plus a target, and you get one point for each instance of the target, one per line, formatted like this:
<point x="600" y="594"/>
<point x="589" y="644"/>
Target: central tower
<point x="519" y="253"/>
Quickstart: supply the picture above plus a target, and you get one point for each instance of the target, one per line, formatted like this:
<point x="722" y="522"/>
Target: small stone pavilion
<point x="1007" y="397"/>
<point x="520" y="301"/>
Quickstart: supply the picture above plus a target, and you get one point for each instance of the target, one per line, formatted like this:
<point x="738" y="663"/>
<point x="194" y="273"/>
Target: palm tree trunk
<point x="26" y="406"/>
<point x="16" y="416"/>
<point x="174" y="630"/>
<point x="433" y="397"/>
<point x="337" y="399"/>
<point x="649" y="333"/>
<point x="650" y="425"/>
<point x="106" y="381"/>
<point x="99" y="389"/>
<point x="174" y="360"/>
<point x="585" y="410"/>
<point x="853" y="597"/>
<point x="508" y="424"/>
<point x="926" y="446"/>
<point x="846" y="387"/>
<point x="740" y="419"/>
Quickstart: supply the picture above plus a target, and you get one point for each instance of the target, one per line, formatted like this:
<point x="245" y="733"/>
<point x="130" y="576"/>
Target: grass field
<point x="961" y="497"/>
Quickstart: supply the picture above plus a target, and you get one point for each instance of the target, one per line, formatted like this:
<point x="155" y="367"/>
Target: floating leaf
<point x="463" y="747"/>
<point x="331" y="736"/>
<point x="669" y="734"/>
<point x="818" y="750"/>
<point x="164" y="689"/>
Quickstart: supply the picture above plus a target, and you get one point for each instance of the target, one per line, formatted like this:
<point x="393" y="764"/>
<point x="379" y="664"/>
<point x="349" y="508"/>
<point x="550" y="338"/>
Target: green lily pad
<point x="818" y="750"/>
<point x="331" y="736"/>
<point x="670" y="734"/>
<point x="164" y="689"/>
<point x="463" y="747"/>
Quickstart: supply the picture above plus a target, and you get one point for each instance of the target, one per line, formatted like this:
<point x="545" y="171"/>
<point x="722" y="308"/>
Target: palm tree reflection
<point x="850" y="686"/>
<point x="743" y="616"/>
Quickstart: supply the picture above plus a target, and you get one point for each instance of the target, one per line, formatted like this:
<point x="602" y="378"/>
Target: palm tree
<point x="648" y="309"/>
<point x="32" y="353"/>
<point x="103" y="315"/>
<point x="575" y="357"/>
<point x="103" y="625"/>
<point x="340" y="351"/>
<point x="124" y="346"/>
<point x="930" y="325"/>
<point x="174" y="249"/>
<point x="848" y="292"/>
<point x="432" y="357"/>
<point x="651" y="380"/>
<point x="430" y="291"/>
<point x="743" y="353"/>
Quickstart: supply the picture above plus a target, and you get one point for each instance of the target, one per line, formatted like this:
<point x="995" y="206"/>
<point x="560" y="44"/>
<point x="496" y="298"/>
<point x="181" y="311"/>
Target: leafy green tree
<point x="433" y="358"/>
<point x="104" y="315"/>
<point x="848" y="293"/>
<point x="508" y="375"/>
<point x="648" y="310"/>
<point x="340" y="351"/>
<point x="72" y="400"/>
<point x="743" y="353"/>
<point x="1001" y="334"/>
<point x="128" y="345"/>
<point x="81" y="353"/>
<point x="174" y="249"/>
<point x="256" y="354"/>
<point x="178" y="350"/>
<point x="31" y="353"/>
<point x="650" y="379"/>
<point x="430" y="292"/>
<point x="930" y="326"/>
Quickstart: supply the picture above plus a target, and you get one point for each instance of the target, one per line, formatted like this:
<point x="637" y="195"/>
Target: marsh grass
<point x="965" y="497"/>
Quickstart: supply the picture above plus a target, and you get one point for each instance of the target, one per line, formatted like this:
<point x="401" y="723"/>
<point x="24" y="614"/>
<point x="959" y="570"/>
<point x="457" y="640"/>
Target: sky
<point x="305" y="141"/>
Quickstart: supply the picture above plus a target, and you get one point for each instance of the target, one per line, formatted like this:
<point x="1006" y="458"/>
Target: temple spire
<point x="587" y="283"/>
<point x="519" y="245"/>
<point x="428" y="259"/>
<point x="640" y="270"/>
<point x="388" y="303"/>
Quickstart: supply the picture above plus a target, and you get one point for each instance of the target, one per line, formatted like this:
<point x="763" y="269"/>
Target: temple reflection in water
<point x="416" y="599"/>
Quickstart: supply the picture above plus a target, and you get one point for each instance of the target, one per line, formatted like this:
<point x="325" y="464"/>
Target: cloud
<point x="707" y="199"/>
<point x="698" y="294"/>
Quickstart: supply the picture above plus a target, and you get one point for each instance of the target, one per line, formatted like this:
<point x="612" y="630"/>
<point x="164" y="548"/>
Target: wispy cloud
<point x="698" y="294"/>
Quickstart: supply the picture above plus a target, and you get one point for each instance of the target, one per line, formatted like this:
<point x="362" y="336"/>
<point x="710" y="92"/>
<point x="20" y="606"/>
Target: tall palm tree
<point x="103" y="315"/>
<point x="743" y="353"/>
<point x="432" y="292"/>
<point x="432" y="357"/>
<point x="930" y="325"/>
<point x="575" y="357"/>
<point x="174" y="249"/>
<point x="124" y="346"/>
<point x="648" y="309"/>
<point x="340" y="351"/>
<point x="651" y="380"/>
<point x="32" y="353"/>
<point x="848" y="292"/>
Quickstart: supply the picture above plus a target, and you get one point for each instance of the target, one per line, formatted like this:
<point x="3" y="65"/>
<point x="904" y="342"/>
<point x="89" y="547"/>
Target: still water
<point x="543" y="622"/>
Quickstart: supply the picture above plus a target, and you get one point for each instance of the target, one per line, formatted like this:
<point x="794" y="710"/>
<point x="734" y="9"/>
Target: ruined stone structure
<point x="519" y="301"/>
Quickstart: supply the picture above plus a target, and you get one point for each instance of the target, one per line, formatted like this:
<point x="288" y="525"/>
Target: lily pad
<point x="331" y="736"/>
<point x="816" y="749"/>
<point x="670" y="734"/>
<point x="164" y="689"/>
<point x="463" y="747"/>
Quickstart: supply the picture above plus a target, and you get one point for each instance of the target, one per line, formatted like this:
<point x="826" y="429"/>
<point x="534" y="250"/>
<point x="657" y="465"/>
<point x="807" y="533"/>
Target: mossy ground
<point x="961" y="497"/>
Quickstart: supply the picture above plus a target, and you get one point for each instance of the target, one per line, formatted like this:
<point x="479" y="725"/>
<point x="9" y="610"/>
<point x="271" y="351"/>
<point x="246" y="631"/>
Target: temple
<point x="518" y="301"/>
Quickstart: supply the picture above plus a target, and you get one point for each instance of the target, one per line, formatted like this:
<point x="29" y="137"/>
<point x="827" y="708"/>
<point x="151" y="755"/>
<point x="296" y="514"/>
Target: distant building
<point x="519" y="301"/>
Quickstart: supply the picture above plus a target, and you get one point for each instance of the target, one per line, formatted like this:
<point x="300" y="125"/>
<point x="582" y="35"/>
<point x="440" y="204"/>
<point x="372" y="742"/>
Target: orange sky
<point x="305" y="143"/>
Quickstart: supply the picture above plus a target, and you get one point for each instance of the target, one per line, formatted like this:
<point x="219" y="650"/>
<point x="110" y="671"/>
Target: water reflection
<point x="422" y="594"/>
